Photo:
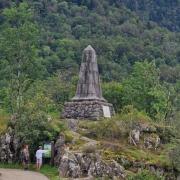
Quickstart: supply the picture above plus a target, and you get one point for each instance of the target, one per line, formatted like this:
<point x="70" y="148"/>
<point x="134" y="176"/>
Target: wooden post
<point x="52" y="153"/>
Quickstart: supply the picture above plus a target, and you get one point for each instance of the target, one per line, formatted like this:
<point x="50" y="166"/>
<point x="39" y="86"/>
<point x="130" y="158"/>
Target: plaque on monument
<point x="88" y="102"/>
<point x="106" y="111"/>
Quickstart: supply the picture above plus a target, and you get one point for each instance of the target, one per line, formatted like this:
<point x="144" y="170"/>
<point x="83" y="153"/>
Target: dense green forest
<point x="120" y="37"/>
<point x="118" y="34"/>
<point x="41" y="43"/>
<point x="164" y="12"/>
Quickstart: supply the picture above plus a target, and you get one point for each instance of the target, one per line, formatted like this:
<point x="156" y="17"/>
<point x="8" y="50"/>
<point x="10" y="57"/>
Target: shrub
<point x="34" y="126"/>
<point x="145" y="175"/>
<point x="108" y="128"/>
<point x="113" y="93"/>
<point x="89" y="149"/>
<point x="3" y="121"/>
<point x="175" y="157"/>
<point x="68" y="137"/>
<point x="117" y="127"/>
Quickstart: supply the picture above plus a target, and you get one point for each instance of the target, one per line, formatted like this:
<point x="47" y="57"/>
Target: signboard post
<point x="47" y="147"/>
<point x="52" y="153"/>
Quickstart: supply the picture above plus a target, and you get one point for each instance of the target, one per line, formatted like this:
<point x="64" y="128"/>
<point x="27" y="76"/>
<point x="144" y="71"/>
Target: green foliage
<point x="166" y="133"/>
<point x="117" y="33"/>
<point x="63" y="89"/>
<point x="145" y="175"/>
<point x="3" y="120"/>
<point x="51" y="172"/>
<point x="89" y="149"/>
<point x="144" y="91"/>
<point x="40" y="51"/>
<point x="161" y="12"/>
<point x="68" y="136"/>
<point x="117" y="127"/>
<point x="131" y="114"/>
<point x="175" y="157"/>
<point x="18" y="48"/>
<point x="34" y="126"/>
<point x="112" y="92"/>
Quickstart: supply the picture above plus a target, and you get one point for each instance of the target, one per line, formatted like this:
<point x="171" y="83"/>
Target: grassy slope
<point x="117" y="148"/>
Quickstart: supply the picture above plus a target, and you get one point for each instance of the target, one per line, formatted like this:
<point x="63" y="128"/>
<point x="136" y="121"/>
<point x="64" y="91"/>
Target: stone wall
<point x="86" y="109"/>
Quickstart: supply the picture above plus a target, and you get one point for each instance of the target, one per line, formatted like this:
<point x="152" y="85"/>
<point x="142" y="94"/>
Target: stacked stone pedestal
<point x="92" y="109"/>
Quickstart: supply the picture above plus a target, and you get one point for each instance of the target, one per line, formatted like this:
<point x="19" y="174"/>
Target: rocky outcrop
<point x="148" y="133"/>
<point x="72" y="124"/>
<point x="78" y="164"/>
<point x="86" y="162"/>
<point x="9" y="146"/>
<point x="134" y="137"/>
<point x="59" y="149"/>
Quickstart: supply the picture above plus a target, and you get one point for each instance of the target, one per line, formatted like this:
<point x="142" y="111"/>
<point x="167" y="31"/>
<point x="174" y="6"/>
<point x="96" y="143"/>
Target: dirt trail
<point x="14" y="174"/>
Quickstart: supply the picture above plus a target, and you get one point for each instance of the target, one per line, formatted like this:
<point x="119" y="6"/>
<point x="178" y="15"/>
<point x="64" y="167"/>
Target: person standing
<point x="39" y="155"/>
<point x="25" y="157"/>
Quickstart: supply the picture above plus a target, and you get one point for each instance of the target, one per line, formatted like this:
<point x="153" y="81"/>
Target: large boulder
<point x="72" y="124"/>
<point x="78" y="164"/>
<point x="9" y="147"/>
<point x="59" y="149"/>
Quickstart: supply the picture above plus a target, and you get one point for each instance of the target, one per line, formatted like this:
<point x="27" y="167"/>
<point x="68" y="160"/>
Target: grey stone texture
<point x="88" y="102"/>
<point x="59" y="149"/>
<point x="89" y="165"/>
<point x="88" y="87"/>
<point x="86" y="109"/>
<point x="9" y="147"/>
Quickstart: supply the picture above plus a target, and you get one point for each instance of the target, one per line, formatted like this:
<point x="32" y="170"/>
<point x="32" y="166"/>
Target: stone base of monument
<point x="92" y="109"/>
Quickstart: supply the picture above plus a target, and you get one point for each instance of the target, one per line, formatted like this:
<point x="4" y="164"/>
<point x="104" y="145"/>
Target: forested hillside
<point x="164" y="12"/>
<point x="138" y="53"/>
<point x="118" y="34"/>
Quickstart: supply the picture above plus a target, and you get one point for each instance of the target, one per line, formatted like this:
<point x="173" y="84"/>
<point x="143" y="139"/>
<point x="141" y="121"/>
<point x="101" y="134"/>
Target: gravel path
<point x="13" y="174"/>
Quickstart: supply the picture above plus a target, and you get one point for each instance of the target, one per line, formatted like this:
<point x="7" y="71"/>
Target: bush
<point x="3" y="121"/>
<point x="117" y="127"/>
<point x="145" y="175"/>
<point x="34" y="126"/>
<point x="108" y="128"/>
<point x="113" y="93"/>
<point x="129" y="113"/>
<point x="89" y="149"/>
<point x="68" y="137"/>
<point x="175" y="157"/>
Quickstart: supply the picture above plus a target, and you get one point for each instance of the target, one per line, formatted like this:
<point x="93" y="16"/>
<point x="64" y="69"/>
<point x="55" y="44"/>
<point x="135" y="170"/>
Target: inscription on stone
<point x="106" y="111"/>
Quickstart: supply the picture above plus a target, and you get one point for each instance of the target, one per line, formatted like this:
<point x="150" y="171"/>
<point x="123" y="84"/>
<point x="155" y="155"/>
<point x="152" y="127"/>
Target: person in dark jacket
<point x="25" y="157"/>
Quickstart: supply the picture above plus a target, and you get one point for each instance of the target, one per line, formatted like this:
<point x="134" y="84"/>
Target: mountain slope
<point x="164" y="12"/>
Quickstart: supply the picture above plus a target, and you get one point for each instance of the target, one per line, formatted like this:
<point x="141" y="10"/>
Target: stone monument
<point x="88" y="103"/>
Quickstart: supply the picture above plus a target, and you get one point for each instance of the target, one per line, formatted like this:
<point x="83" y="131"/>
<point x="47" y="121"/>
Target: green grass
<point x="47" y="170"/>
<point x="10" y="166"/>
<point x="3" y="120"/>
<point x="132" y="153"/>
<point x="51" y="172"/>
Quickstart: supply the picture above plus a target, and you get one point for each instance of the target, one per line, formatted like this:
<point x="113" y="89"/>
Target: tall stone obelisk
<point x="88" y="87"/>
<point x="88" y="103"/>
